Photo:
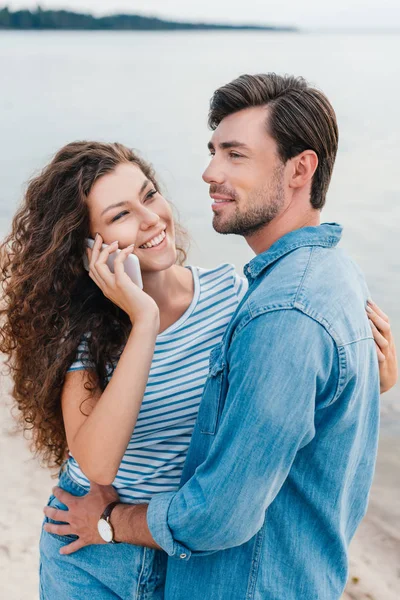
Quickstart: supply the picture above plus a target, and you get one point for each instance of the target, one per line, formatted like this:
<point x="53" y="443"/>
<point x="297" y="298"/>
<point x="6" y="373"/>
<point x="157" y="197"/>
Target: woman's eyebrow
<point x="124" y="202"/>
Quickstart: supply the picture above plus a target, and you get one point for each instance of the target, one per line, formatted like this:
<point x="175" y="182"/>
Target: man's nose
<point x="213" y="173"/>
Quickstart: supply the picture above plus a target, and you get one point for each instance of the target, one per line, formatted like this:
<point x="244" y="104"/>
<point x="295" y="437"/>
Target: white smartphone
<point x="131" y="263"/>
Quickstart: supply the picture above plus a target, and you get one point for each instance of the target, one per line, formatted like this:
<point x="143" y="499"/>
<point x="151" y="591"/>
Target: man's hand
<point x="82" y="515"/>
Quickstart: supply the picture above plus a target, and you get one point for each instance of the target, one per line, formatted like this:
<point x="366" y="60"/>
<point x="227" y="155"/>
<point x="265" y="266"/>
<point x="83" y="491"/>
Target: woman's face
<point x="124" y="205"/>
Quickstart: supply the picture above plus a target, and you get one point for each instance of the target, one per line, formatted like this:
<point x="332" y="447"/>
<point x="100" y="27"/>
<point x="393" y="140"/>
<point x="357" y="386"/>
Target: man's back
<point x="281" y="461"/>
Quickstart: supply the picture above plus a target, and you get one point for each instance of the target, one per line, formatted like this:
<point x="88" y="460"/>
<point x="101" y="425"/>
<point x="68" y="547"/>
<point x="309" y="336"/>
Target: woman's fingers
<point x="98" y="269"/>
<point x="382" y="325"/>
<point x="380" y="340"/>
<point x="95" y="251"/>
<point x="119" y="270"/>
<point x="381" y="356"/>
<point x="93" y="254"/>
<point x="101" y="268"/>
<point x="379" y="311"/>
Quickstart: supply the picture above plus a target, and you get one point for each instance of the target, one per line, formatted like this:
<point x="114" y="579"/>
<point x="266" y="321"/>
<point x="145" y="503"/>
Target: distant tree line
<point x="63" y="19"/>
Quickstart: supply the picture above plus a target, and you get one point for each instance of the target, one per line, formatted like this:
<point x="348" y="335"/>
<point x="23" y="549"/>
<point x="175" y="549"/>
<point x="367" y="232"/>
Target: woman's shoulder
<point x="80" y="361"/>
<point x="224" y="275"/>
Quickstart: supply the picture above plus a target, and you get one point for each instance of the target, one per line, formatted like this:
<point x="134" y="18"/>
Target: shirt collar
<point x="327" y="235"/>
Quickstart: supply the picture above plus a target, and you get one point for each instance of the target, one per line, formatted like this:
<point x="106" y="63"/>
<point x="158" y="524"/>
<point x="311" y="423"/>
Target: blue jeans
<point x="104" y="572"/>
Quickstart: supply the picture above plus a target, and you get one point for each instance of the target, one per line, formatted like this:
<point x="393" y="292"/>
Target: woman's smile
<point x="156" y="243"/>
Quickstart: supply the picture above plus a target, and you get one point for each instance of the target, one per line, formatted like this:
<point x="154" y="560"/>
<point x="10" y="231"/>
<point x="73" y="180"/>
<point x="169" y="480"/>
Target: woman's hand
<point x="385" y="346"/>
<point x="118" y="286"/>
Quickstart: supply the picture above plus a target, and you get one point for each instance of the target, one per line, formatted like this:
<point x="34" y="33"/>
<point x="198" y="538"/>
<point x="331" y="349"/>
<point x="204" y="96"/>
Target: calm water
<point x="151" y="91"/>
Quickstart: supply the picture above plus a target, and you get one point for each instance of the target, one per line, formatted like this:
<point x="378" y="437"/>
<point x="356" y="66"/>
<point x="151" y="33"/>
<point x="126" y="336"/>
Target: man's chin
<point x="226" y="227"/>
<point x="221" y="226"/>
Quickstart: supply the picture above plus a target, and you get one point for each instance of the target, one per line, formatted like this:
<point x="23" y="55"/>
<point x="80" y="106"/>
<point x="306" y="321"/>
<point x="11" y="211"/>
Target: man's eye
<point x="235" y="155"/>
<point x="125" y="212"/>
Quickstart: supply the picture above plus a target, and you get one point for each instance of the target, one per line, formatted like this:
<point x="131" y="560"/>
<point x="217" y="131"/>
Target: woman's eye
<point x="151" y="194"/>
<point x="125" y="212"/>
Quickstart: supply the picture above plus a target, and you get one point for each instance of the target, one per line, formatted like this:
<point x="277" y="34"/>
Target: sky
<point x="343" y="14"/>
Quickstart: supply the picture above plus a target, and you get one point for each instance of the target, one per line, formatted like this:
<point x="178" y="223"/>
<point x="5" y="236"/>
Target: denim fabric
<point x="280" y="465"/>
<point x="103" y="572"/>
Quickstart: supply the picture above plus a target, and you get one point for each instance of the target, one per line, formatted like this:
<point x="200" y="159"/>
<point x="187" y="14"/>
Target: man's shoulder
<point x="323" y="283"/>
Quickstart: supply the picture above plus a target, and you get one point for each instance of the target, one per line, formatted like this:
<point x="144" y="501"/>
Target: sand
<point x="375" y="550"/>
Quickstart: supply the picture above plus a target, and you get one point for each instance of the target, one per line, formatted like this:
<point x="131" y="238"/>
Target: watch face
<point x="105" y="530"/>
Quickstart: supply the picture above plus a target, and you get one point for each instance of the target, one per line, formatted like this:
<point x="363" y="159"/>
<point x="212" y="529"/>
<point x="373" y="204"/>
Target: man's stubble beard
<point x="262" y="208"/>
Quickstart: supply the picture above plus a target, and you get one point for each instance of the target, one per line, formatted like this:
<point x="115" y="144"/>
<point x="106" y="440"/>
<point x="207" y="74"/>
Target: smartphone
<point x="131" y="263"/>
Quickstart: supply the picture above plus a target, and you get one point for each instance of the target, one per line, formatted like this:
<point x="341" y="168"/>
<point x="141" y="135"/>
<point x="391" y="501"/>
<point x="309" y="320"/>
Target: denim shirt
<point x="282" y="457"/>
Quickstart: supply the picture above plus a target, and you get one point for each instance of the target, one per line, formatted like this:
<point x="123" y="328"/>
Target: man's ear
<point x="304" y="166"/>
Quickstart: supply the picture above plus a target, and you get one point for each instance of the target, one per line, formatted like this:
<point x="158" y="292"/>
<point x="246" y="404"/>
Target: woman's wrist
<point x="149" y="323"/>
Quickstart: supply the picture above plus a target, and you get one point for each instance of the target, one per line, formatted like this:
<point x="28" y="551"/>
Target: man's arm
<point x="279" y="364"/>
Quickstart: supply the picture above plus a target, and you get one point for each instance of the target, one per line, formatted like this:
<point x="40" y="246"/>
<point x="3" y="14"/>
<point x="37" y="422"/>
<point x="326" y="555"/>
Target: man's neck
<point x="264" y="238"/>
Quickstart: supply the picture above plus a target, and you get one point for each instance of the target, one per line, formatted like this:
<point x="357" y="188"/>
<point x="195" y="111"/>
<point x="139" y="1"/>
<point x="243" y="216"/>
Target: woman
<point x="142" y="355"/>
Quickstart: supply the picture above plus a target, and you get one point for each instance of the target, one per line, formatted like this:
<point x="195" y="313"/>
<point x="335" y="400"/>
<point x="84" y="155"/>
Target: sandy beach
<point x="375" y="551"/>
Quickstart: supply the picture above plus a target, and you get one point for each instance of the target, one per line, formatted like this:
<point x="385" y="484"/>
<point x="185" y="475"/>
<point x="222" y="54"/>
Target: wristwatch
<point x="104" y="526"/>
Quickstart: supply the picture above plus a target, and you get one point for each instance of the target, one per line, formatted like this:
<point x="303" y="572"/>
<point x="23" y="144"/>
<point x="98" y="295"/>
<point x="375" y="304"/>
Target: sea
<point x="151" y="91"/>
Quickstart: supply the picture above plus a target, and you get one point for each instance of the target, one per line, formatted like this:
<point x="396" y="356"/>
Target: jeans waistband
<point x="68" y="484"/>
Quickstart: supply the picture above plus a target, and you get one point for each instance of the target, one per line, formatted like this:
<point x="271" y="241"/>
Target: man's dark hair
<point x="300" y="118"/>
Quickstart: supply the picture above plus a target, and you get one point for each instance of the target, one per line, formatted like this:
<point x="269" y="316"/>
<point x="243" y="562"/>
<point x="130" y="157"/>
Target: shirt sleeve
<point x="240" y="285"/>
<point x="280" y="363"/>
<point x="81" y="358"/>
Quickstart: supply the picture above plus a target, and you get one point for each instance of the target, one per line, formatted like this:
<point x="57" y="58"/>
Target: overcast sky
<point x="305" y="13"/>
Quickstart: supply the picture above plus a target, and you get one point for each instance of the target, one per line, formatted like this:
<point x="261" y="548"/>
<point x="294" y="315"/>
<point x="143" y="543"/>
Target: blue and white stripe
<point x="154" y="458"/>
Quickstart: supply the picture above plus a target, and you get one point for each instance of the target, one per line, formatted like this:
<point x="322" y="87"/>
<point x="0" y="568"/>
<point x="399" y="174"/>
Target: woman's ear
<point x="304" y="167"/>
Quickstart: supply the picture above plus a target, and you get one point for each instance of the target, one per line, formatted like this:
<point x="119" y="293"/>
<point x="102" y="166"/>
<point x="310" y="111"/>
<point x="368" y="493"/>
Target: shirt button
<point x="183" y="555"/>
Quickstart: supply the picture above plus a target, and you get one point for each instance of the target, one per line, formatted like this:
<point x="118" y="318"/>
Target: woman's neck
<point x="172" y="290"/>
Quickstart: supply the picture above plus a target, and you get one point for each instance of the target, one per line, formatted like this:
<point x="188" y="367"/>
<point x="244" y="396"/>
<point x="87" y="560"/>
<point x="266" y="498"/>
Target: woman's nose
<point x="149" y="219"/>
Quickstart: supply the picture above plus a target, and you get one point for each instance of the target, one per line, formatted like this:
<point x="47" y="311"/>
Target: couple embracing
<point x="220" y="431"/>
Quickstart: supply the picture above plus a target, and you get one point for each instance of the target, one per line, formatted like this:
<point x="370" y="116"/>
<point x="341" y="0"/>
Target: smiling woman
<point x="146" y="218"/>
<point x="106" y="375"/>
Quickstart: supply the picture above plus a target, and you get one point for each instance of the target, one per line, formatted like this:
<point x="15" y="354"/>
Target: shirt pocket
<point x="211" y="399"/>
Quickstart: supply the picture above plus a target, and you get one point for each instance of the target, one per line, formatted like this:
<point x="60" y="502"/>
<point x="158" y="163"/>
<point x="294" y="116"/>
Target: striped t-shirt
<point x="154" y="458"/>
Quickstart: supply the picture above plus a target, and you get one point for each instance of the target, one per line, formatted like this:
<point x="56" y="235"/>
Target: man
<point x="277" y="476"/>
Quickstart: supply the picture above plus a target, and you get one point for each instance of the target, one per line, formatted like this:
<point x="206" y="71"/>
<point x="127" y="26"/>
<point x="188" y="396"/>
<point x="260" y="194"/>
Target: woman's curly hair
<point x="49" y="303"/>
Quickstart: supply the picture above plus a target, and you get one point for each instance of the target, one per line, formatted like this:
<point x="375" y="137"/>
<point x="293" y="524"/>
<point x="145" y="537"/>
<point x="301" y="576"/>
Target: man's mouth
<point x="154" y="242"/>
<point x="219" y="198"/>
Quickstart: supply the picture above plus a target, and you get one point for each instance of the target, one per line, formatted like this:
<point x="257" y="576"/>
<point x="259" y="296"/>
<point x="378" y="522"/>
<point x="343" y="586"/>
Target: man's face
<point x="245" y="174"/>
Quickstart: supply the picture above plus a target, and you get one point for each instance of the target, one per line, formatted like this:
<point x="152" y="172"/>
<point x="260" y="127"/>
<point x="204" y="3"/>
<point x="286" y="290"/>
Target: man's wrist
<point x="129" y="522"/>
<point x="122" y="514"/>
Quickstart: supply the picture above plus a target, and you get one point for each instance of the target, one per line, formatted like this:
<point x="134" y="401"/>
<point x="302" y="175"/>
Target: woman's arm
<point x="99" y="438"/>
<point x="98" y="441"/>
<point x="385" y="346"/>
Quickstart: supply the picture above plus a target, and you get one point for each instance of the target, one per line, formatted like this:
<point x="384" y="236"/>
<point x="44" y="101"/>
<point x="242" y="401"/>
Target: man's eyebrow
<point x="125" y="202"/>
<point x="228" y="145"/>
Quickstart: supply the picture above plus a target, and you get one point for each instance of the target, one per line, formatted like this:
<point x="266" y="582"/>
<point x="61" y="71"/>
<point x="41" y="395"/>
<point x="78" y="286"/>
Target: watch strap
<point x="106" y="516"/>
<point x="108" y="510"/>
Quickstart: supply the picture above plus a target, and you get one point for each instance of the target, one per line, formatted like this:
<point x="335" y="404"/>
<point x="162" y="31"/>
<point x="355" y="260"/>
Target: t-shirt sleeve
<point x="240" y="285"/>
<point x="81" y="358"/>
